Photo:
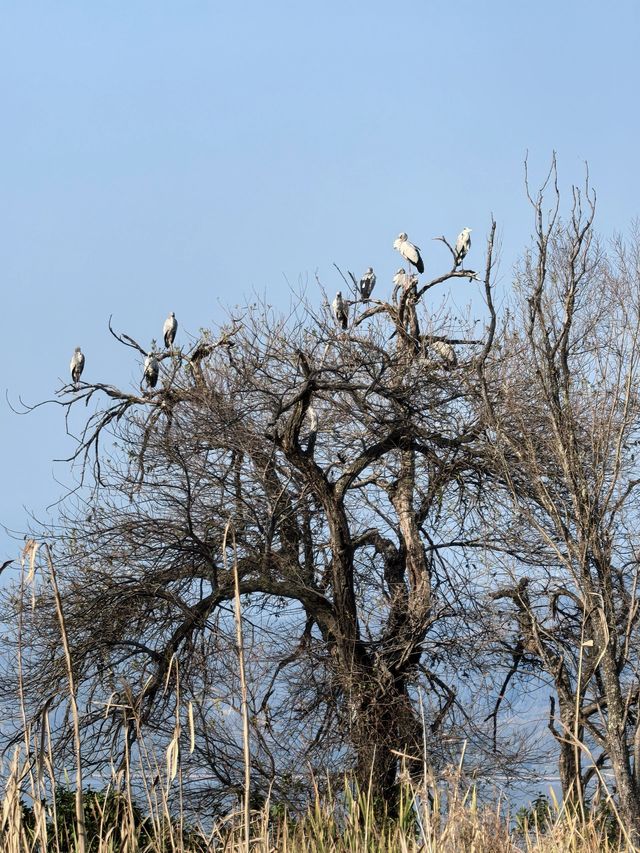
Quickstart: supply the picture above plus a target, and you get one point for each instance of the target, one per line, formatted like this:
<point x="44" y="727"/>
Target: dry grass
<point x="447" y="820"/>
<point x="442" y="817"/>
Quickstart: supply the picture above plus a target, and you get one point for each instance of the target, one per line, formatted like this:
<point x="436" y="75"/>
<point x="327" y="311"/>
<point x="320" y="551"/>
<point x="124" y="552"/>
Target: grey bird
<point x="77" y="366"/>
<point x="169" y="330"/>
<point x="367" y="283"/>
<point x="408" y="251"/>
<point x="340" y="310"/>
<point x="151" y="370"/>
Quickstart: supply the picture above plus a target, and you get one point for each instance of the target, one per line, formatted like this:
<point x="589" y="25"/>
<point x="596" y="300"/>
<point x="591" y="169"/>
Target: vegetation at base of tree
<point x="449" y="820"/>
<point x="539" y="817"/>
<point x="104" y="815"/>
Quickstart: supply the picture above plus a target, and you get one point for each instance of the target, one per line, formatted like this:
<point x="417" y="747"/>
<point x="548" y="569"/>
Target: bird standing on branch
<point x="408" y="251"/>
<point x="463" y="244"/>
<point x="367" y="283"/>
<point x="77" y="366"/>
<point x="403" y="280"/>
<point x="340" y="310"/>
<point x="151" y="370"/>
<point x="169" y="330"/>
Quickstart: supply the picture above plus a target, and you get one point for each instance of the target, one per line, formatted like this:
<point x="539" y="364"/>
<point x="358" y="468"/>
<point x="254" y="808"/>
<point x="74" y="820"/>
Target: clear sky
<point x="160" y="156"/>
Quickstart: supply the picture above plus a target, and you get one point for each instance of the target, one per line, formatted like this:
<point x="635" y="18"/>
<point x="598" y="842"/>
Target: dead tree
<point x="350" y="469"/>
<point x="563" y="420"/>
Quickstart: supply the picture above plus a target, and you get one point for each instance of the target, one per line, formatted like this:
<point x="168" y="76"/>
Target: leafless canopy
<point x="425" y="519"/>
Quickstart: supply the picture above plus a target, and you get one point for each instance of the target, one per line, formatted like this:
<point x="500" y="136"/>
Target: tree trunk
<point x="617" y="745"/>
<point x="385" y="728"/>
<point x="569" y="764"/>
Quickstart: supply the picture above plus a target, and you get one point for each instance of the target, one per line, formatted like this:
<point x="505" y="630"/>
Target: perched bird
<point x="463" y="244"/>
<point x="313" y="420"/>
<point x="445" y="351"/>
<point x="403" y="279"/>
<point x="169" y="330"/>
<point x="151" y="370"/>
<point x="77" y="366"/>
<point x="367" y="283"/>
<point x="340" y="310"/>
<point x="313" y="429"/>
<point x="408" y="251"/>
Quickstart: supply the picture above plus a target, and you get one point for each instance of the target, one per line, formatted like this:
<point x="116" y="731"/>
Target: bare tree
<point x="350" y="467"/>
<point x="563" y="420"/>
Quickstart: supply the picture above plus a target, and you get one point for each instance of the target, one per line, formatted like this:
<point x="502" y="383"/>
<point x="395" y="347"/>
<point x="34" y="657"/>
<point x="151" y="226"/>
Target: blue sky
<point x="163" y="156"/>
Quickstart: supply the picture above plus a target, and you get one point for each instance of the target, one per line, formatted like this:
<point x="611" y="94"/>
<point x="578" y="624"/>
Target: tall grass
<point x="436" y="816"/>
<point x="440" y="819"/>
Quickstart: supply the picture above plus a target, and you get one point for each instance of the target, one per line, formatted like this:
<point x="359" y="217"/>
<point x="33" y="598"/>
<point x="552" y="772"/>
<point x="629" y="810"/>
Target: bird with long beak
<point x="169" y="330"/>
<point x="340" y="310"/>
<point x="77" y="366"/>
<point x="409" y="251"/>
<point x="463" y="244"/>
<point x="367" y="283"/>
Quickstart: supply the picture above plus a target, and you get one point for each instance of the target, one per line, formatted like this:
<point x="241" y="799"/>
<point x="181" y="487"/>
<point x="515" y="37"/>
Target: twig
<point x="444" y="240"/>
<point x="125" y="339"/>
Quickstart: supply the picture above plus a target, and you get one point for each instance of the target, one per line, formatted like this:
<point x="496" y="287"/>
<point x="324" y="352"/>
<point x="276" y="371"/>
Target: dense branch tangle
<point x="344" y="463"/>
<point x="361" y="470"/>
<point x="564" y="416"/>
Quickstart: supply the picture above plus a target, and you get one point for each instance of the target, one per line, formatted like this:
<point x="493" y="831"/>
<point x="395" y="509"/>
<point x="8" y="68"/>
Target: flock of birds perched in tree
<point x="401" y="279"/>
<point x="340" y="306"/>
<point x="151" y="369"/>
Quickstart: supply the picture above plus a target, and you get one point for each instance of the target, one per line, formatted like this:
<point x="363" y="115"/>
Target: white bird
<point x="403" y="279"/>
<point x="367" y="283"/>
<point x="151" y="370"/>
<point x="408" y="251"/>
<point x="169" y="330"/>
<point x="340" y="310"/>
<point x="445" y="351"/>
<point x="313" y="429"/>
<point x="77" y="366"/>
<point x="313" y="419"/>
<point x="463" y="244"/>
